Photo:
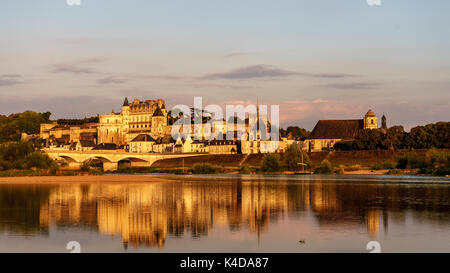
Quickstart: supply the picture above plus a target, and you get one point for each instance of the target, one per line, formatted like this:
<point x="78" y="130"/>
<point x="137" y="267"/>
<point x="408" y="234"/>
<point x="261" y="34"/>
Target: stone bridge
<point x="111" y="159"/>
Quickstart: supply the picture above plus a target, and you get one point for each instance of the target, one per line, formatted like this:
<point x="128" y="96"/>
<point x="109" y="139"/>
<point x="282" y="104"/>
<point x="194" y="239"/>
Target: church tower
<point x="383" y="123"/>
<point x="370" y="120"/>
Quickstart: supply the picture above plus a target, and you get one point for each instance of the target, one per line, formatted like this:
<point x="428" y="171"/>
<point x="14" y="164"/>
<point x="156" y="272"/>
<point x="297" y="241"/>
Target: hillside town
<point x="144" y="127"/>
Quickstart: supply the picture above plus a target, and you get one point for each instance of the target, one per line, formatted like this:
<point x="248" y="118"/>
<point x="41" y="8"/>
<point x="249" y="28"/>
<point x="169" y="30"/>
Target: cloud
<point x="237" y="54"/>
<point x="249" y="72"/>
<point x="333" y="75"/>
<point x="267" y="71"/>
<point x="220" y="85"/>
<point x="10" y="79"/>
<point x="93" y="60"/>
<point x="68" y="68"/>
<point x="153" y="76"/>
<point x="111" y="80"/>
<point x="353" y="85"/>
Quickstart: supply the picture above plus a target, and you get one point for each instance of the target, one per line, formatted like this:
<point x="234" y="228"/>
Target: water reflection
<point x="146" y="214"/>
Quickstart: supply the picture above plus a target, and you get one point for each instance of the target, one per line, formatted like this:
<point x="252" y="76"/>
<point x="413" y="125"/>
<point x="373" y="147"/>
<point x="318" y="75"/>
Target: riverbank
<point x="83" y="179"/>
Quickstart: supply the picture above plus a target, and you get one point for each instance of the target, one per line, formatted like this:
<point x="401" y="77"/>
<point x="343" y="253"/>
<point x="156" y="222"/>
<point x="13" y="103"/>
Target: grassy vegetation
<point x="435" y="162"/>
<point x="387" y="165"/>
<point x="207" y="168"/>
<point x="147" y="170"/>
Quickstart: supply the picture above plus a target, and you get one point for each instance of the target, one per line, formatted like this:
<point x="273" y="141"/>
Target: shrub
<point x="54" y="169"/>
<point x="270" y="163"/>
<point x="395" y="172"/>
<point x="85" y="166"/>
<point x="339" y="171"/>
<point x="441" y="171"/>
<point x="410" y="161"/>
<point x="436" y="157"/>
<point x="293" y="156"/>
<point x="38" y="160"/>
<point x="69" y="173"/>
<point x="206" y="168"/>
<point x="95" y="172"/>
<point x="244" y="169"/>
<point x="325" y="168"/>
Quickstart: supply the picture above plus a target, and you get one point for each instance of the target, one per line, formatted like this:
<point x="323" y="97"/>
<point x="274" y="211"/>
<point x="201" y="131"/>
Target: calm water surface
<point x="229" y="214"/>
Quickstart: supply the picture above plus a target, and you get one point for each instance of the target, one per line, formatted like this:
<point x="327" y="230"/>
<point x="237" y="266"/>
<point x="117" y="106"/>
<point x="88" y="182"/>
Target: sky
<point x="326" y="59"/>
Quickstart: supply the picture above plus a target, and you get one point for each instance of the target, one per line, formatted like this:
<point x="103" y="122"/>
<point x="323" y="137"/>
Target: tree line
<point x="435" y="135"/>
<point x="28" y="122"/>
<point x="12" y="126"/>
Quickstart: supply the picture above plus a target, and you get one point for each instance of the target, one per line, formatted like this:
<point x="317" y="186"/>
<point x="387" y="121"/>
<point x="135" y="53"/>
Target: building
<point x="326" y="133"/>
<point x="84" y="145"/>
<point x="142" y="126"/>
<point x="142" y="143"/>
<point x="223" y="147"/>
<point x="138" y="117"/>
<point x="55" y="135"/>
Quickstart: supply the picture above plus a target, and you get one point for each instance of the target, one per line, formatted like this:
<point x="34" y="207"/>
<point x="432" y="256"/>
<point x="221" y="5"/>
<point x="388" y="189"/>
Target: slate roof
<point x="158" y="112"/>
<point x="337" y="129"/>
<point x="143" y="138"/>
<point x="87" y="143"/>
<point x="106" y="146"/>
<point x="165" y="140"/>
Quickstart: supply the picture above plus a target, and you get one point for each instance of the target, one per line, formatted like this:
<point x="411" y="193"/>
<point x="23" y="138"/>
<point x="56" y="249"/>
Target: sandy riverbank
<point x="83" y="179"/>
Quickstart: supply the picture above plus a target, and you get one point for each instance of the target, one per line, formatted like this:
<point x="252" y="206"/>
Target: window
<point x="371" y="121"/>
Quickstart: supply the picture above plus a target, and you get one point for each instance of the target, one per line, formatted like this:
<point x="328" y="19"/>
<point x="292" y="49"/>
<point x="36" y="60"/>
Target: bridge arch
<point x="101" y="158"/>
<point x="133" y="159"/>
<point x="68" y="159"/>
<point x="133" y="162"/>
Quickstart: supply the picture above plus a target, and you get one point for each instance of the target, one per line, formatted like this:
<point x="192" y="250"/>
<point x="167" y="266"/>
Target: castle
<point x="143" y="127"/>
<point x="137" y="117"/>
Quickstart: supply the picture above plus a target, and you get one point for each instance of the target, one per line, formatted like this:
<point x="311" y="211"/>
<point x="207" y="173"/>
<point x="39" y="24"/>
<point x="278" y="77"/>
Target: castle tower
<point x="370" y="120"/>
<point x="158" y="122"/>
<point x="125" y="118"/>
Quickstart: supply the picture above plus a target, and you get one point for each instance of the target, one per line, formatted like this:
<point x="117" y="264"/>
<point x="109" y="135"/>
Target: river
<point x="228" y="213"/>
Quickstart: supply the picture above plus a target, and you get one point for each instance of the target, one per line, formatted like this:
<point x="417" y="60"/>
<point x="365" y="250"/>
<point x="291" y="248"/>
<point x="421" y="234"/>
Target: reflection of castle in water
<point x="146" y="214"/>
<point x="143" y="214"/>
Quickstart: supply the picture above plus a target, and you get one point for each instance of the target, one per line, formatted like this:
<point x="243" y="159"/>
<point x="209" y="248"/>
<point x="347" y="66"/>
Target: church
<point x="326" y="133"/>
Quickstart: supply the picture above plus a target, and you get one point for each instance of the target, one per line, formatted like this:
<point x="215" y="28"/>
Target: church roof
<point x="370" y="113"/>
<point x="158" y="112"/>
<point x="337" y="129"/>
<point x="143" y="138"/>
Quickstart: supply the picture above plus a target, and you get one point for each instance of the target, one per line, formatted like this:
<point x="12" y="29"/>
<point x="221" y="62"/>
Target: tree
<point x="368" y="139"/>
<point x="293" y="156"/>
<point x="28" y="122"/>
<point x="270" y="163"/>
<point x="297" y="132"/>
<point x="394" y="138"/>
